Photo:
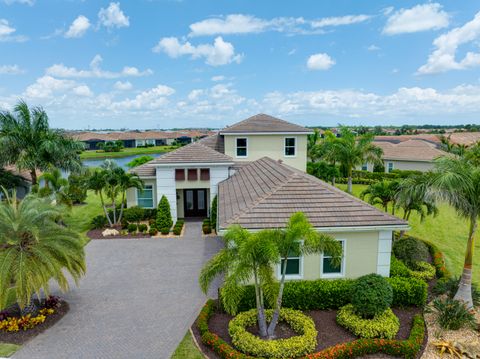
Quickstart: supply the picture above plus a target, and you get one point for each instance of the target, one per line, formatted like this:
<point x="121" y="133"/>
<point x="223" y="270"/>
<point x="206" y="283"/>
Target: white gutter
<point x="193" y="164"/>
<point x="265" y="133"/>
<point x="402" y="227"/>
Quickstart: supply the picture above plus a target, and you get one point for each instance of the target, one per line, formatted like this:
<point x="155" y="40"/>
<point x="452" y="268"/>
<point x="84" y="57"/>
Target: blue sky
<point x="198" y="63"/>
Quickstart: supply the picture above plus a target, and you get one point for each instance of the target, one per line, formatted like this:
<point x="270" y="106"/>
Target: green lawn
<point x="92" y="154"/>
<point x="447" y="230"/>
<point x="81" y="215"/>
<point x="187" y="349"/>
<point x="7" y="350"/>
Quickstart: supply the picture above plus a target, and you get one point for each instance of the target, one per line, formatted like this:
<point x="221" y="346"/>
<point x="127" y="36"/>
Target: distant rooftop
<point x="263" y="123"/>
<point x="410" y="150"/>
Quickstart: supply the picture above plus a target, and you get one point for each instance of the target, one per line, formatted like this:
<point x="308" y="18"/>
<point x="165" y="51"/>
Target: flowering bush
<point x="25" y="322"/>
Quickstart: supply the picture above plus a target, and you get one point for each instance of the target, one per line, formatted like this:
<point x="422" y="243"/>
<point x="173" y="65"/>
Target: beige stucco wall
<point x="272" y="146"/>
<point x="409" y="165"/>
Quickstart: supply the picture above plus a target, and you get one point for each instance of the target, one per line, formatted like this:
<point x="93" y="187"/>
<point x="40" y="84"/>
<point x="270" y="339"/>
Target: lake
<point x="121" y="161"/>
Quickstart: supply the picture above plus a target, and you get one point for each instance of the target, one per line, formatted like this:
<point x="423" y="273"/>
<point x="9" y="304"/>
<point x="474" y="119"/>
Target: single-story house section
<point x="412" y="155"/>
<point x="22" y="180"/>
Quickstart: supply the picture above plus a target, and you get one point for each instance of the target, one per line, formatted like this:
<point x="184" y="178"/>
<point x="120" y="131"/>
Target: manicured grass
<point x="81" y="215"/>
<point x="187" y="349"/>
<point x="126" y="152"/>
<point x="7" y="350"/>
<point x="447" y="230"/>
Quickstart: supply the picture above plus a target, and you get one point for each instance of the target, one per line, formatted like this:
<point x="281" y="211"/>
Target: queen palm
<point x="457" y="181"/>
<point x="30" y="144"/>
<point x="35" y="249"/>
<point x="413" y="195"/>
<point x="383" y="193"/>
<point x="351" y="152"/>
<point x="57" y="186"/>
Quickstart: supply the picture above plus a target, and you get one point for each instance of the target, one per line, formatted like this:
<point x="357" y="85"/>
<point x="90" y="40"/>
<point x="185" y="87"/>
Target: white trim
<point x="342" y="265"/>
<point x="193" y="164"/>
<point x="344" y="229"/>
<point x="236" y="147"/>
<point x="384" y="253"/>
<point x="291" y="276"/>
<point x="285" y="146"/>
<point x="264" y="133"/>
<point x="404" y="159"/>
<point x="388" y="166"/>
<point x="153" y="197"/>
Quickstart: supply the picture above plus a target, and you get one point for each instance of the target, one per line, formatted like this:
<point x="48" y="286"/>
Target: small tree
<point x="164" y="217"/>
<point x="382" y="193"/>
<point x="213" y="214"/>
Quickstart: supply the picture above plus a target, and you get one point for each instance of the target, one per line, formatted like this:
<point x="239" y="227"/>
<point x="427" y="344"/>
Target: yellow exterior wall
<point x="409" y="165"/>
<point x="272" y="146"/>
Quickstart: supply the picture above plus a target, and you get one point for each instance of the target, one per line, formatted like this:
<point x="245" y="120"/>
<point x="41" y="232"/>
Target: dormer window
<point x="290" y="146"/>
<point x="241" y="147"/>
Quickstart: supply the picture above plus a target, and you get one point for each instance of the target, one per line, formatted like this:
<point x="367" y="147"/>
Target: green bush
<point x="323" y="170"/>
<point x="152" y="231"/>
<point x="410" y="250"/>
<point x="449" y="286"/>
<point x="398" y="268"/>
<point x="408" y="291"/>
<point x="132" y="227"/>
<point x="149" y="214"/>
<point x="77" y="189"/>
<point x="371" y="295"/>
<point x="134" y="214"/>
<point x="213" y="213"/>
<point x="164" y="217"/>
<point x="382" y="325"/>
<point x="142" y="228"/>
<point x="206" y="228"/>
<point x="453" y="315"/>
<point x="424" y="271"/>
<point x="98" y="222"/>
<point x="301" y="344"/>
<point x="177" y="229"/>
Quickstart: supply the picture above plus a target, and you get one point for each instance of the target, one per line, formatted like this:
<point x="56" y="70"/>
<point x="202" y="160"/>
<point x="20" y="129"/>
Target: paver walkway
<point x="137" y="300"/>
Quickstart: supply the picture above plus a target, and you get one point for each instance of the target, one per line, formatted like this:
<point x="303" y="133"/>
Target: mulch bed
<point x="329" y="332"/>
<point x="23" y="336"/>
<point x="97" y="234"/>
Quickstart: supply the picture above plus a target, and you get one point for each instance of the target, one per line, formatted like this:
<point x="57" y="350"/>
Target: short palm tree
<point x="57" y="186"/>
<point x="29" y="143"/>
<point x="383" y="193"/>
<point x="125" y="181"/>
<point x="457" y="181"/>
<point x="245" y="256"/>
<point x="35" y="249"/>
<point x="351" y="152"/>
<point x="413" y="195"/>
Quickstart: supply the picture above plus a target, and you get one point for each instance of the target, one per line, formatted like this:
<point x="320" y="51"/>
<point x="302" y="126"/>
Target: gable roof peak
<point x="263" y="123"/>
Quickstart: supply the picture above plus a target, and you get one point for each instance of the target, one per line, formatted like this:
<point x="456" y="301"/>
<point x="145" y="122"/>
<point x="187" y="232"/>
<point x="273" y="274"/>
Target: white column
<point x="166" y="186"/>
<point x="217" y="175"/>
<point x="384" y="253"/>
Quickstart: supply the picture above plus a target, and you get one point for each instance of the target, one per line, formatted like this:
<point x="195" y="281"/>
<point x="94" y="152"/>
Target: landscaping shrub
<point x="323" y="170"/>
<point x="408" y="291"/>
<point x="371" y="295"/>
<point x="410" y="250"/>
<point x="152" y="231"/>
<point x="383" y="325"/>
<point x="452" y="314"/>
<point x="206" y="228"/>
<point x="77" y="189"/>
<point x="293" y="347"/>
<point x="164" y="217"/>
<point x="177" y="229"/>
<point x="132" y="227"/>
<point x="213" y="213"/>
<point x="424" y="271"/>
<point x="15" y="324"/>
<point x="149" y="214"/>
<point x="449" y="286"/>
<point x="99" y="222"/>
<point x="142" y="228"/>
<point x="134" y="214"/>
<point x="398" y="268"/>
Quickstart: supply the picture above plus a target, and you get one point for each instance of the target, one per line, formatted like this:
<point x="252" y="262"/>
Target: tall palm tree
<point x="35" y="249"/>
<point x="125" y="181"/>
<point x="312" y="142"/>
<point x="352" y="152"/>
<point x="457" y="181"/>
<point x="383" y="193"/>
<point x="29" y="143"/>
<point x="413" y="195"/>
<point x="96" y="183"/>
<point x="245" y="256"/>
<point x="298" y="237"/>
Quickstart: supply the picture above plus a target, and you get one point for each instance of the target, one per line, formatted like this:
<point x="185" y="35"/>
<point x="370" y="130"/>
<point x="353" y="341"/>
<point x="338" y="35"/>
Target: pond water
<point x="121" y="161"/>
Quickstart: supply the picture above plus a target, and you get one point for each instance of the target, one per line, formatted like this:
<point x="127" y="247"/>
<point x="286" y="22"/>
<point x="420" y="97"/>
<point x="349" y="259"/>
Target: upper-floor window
<point x="204" y="174"/>
<point x="290" y="146"/>
<point x="180" y="174"/>
<point x="192" y="174"/>
<point x="390" y="167"/>
<point x="241" y="147"/>
<point x="145" y="197"/>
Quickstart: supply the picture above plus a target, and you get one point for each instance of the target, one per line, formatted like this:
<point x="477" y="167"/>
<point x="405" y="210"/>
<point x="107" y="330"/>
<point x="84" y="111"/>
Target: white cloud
<point x="150" y="99"/>
<point x="122" y="86"/>
<point x="320" y="61"/>
<point x="220" y="53"/>
<point x="23" y="2"/>
<point x="232" y="24"/>
<point x="11" y="70"/>
<point x="82" y="90"/>
<point x="113" y="16"/>
<point x="218" y="78"/>
<point x="340" y="20"/>
<point x="373" y="48"/>
<point x="7" y="33"/>
<point x="46" y="86"/>
<point x="443" y="57"/>
<point x="60" y="70"/>
<point x="78" y="28"/>
<point x="418" y="18"/>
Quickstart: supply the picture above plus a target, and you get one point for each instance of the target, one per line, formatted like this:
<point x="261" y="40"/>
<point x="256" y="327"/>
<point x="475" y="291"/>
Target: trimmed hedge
<point x="405" y="348"/>
<point x="301" y="344"/>
<point x="177" y="229"/>
<point x="423" y="270"/>
<point x="332" y="294"/>
<point x="371" y="295"/>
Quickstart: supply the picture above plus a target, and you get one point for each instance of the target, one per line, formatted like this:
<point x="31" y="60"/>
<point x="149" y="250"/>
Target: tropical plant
<point x="453" y="314"/>
<point x="164" y="216"/>
<point x="410" y="250"/>
<point x="312" y="145"/>
<point x="213" y="213"/>
<point x="457" y="181"/>
<point x="77" y="186"/>
<point x="351" y="152"/>
<point x="28" y="143"/>
<point x="110" y="146"/>
<point x="413" y="195"/>
<point x="134" y="214"/>
<point x="139" y="161"/>
<point x="323" y="170"/>
<point x="371" y="295"/>
<point x="383" y="193"/>
<point x="245" y="256"/>
<point x="56" y="186"/>
<point x="298" y="237"/>
<point x="35" y="249"/>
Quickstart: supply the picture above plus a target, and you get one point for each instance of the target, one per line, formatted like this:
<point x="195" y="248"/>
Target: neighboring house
<point x="413" y="155"/>
<point x="257" y="169"/>
<point x="21" y="179"/>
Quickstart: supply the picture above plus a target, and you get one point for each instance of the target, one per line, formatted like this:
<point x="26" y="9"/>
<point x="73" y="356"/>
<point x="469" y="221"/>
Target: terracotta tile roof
<point x="263" y="123"/>
<point x="464" y="138"/>
<point x="193" y="153"/>
<point x="25" y="174"/>
<point x="136" y="135"/>
<point x="145" y="170"/>
<point x="410" y="150"/>
<point x="402" y="138"/>
<point x="264" y="194"/>
<point x="215" y="142"/>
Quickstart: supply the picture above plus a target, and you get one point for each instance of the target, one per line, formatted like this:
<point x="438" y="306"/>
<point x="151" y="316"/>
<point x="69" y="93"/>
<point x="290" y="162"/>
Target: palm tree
<point x="413" y="195"/>
<point x="96" y="183"/>
<point x="125" y="181"/>
<point x="298" y="237"/>
<point x="351" y="152"/>
<point x="457" y="181"/>
<point x="245" y="256"/>
<point x="28" y="143"/>
<point x="383" y="193"/>
<point x="312" y="142"/>
<point x="35" y="249"/>
<point x="57" y="186"/>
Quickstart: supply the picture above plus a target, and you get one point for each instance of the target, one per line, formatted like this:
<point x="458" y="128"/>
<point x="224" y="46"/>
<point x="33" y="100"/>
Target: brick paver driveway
<point x="137" y="300"/>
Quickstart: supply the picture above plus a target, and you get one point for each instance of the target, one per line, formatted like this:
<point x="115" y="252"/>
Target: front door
<point x="195" y="202"/>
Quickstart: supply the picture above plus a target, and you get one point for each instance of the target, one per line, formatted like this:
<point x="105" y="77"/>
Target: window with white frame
<point x="328" y="266"/>
<point x="290" y="146"/>
<point x="390" y="167"/>
<point x="294" y="266"/>
<point x="241" y="147"/>
<point x="365" y="167"/>
<point x="145" y="197"/>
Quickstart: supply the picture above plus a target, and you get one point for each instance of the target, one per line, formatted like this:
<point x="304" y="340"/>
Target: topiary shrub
<point x="164" y="217"/>
<point x="177" y="229"/>
<point x="371" y="295"/>
<point x="424" y="271"/>
<point x="132" y="228"/>
<point x="382" y="325"/>
<point x="293" y="347"/>
<point x="398" y="268"/>
<point x="206" y="228"/>
<point x="213" y="213"/>
<point x="98" y="222"/>
<point x="153" y="231"/>
<point x="410" y="251"/>
<point x="134" y="214"/>
<point x="142" y="228"/>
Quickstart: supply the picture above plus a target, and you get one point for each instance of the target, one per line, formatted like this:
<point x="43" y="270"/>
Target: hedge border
<point x="408" y="348"/>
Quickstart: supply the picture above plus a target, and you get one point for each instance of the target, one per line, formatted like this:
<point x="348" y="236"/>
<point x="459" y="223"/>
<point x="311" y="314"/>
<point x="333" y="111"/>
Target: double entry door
<point x="195" y="202"/>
